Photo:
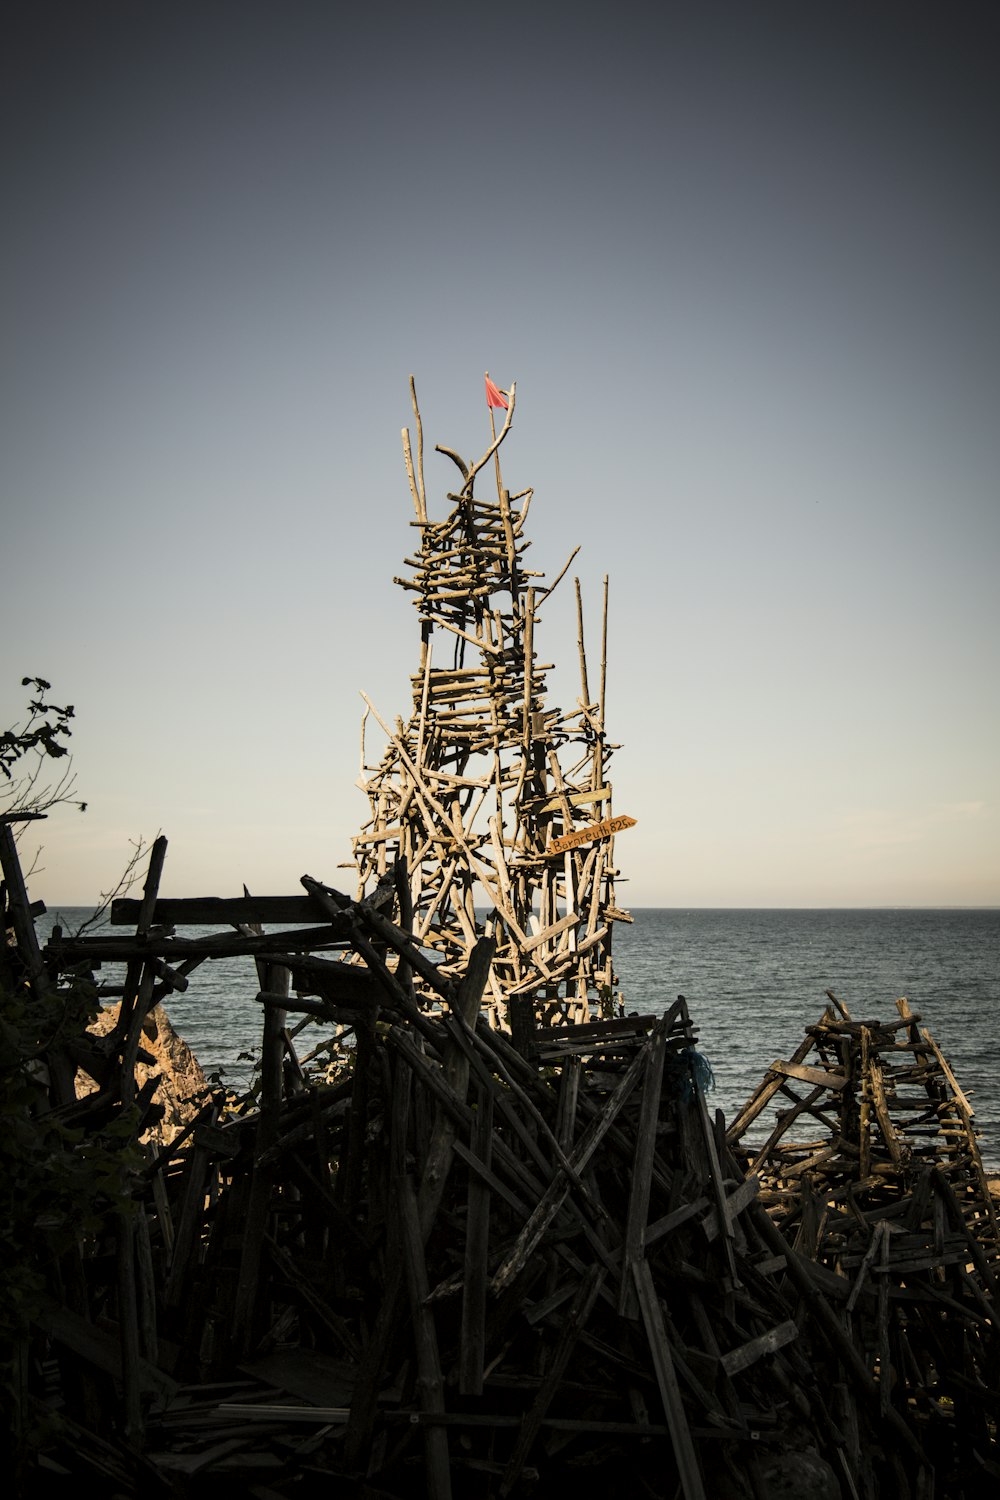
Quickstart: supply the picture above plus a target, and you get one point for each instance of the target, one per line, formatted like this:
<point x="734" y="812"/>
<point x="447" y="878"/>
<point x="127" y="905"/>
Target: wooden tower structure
<point x="495" y="808"/>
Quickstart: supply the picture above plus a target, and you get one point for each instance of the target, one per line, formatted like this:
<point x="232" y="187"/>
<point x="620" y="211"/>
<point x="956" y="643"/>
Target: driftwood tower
<point x="495" y="809"/>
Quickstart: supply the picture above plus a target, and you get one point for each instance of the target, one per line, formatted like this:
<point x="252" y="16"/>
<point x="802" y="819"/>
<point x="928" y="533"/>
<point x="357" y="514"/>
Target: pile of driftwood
<point x="451" y="1264"/>
<point x="871" y="1169"/>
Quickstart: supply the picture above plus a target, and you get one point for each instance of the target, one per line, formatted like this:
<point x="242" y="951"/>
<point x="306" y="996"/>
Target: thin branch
<point x="544" y="593"/>
<point x="420" y="449"/>
<point x="127" y="879"/>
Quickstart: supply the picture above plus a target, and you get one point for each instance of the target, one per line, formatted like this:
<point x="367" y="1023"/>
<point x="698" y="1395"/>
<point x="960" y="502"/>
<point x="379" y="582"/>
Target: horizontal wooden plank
<point x="218" y="911"/>
<point x="285" y="1412"/>
<point x="571" y="919"/>
<point x="575" y="799"/>
<point x="626" y="1026"/>
<point x="821" y="1077"/>
<point x="107" y="949"/>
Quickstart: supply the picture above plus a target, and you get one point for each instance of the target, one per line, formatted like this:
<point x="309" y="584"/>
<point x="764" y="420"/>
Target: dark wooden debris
<point x="869" y="1164"/>
<point x="455" y="1266"/>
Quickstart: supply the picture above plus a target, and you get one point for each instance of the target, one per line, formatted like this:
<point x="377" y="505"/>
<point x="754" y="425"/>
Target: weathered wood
<point x="576" y="1320"/>
<point x="816" y="1076"/>
<point x="685" y="1455"/>
<point x="555" y="1195"/>
<point x="20" y="910"/>
<point x="216" y="911"/>
<point x="430" y="1381"/>
<point x="765" y="1343"/>
<point x="642" y="1172"/>
<point x="602" y="830"/>
<point x="455" y="1069"/>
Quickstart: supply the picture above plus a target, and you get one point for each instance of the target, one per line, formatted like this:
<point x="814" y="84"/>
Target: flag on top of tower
<point x="494" y="396"/>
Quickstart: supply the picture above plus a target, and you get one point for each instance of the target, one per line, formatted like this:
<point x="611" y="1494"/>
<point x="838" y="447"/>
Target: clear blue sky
<point x="741" y="260"/>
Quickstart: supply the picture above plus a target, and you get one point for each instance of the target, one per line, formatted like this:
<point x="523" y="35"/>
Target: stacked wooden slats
<point x="481" y="780"/>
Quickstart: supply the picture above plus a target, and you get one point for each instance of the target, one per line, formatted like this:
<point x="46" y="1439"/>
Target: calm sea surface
<point x="753" y="981"/>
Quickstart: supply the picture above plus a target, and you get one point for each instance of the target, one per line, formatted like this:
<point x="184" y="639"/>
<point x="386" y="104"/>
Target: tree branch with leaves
<point x="27" y="789"/>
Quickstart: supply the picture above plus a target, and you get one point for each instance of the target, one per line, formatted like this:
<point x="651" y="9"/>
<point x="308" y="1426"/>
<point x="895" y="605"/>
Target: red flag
<point x="494" y="397"/>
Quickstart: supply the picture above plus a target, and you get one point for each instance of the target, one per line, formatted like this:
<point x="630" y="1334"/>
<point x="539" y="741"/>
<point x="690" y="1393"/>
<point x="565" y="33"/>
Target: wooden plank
<point x="882" y="1325"/>
<point x="823" y="1077"/>
<point x="666" y="1378"/>
<point x="472" y="1349"/>
<point x="455" y="1070"/>
<point x="575" y="799"/>
<point x="575" y="1322"/>
<point x="591" y="833"/>
<point x="642" y="1173"/>
<point x="673" y="1220"/>
<point x="735" y="1202"/>
<point x="68" y="951"/>
<point x="867" y="1260"/>
<point x="216" y="911"/>
<point x="431" y="1381"/>
<point x="942" y="1062"/>
<point x="99" y="1348"/>
<point x="760" y="1099"/>
<point x="571" y="919"/>
<point x="754" y="1349"/>
<point x="20" y="910"/>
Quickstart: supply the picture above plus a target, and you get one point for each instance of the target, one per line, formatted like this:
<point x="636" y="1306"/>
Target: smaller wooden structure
<point x="866" y="1151"/>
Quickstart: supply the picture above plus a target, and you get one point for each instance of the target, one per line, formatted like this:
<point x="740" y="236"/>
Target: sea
<point x="753" y="980"/>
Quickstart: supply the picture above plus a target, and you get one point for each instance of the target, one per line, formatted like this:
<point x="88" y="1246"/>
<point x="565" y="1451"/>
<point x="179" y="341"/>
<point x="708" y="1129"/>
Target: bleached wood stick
<point x="597" y="772"/>
<point x="508" y="531"/>
<point x="473" y="640"/>
<point x="420" y="451"/>
<point x="604" y="655"/>
<point x="498" y="855"/>
<point x="423" y="699"/>
<point x="442" y="890"/>
<point x="408" y="459"/>
<point x="571" y="894"/>
<point x="580" y="646"/>
<point x="529" y="637"/>
<point x="553" y="930"/>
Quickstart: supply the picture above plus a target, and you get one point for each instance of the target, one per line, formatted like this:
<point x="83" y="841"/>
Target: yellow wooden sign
<point x="590" y="834"/>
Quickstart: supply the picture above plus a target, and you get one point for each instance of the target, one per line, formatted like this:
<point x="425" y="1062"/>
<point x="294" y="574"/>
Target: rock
<point x="798" y="1474"/>
<point x="181" y="1079"/>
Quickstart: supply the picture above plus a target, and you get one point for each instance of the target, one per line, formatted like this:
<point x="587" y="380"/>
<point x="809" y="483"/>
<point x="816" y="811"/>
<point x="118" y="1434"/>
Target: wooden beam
<point x="217" y="911"/>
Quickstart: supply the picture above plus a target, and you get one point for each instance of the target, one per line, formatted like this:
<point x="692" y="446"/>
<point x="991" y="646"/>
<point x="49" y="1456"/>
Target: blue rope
<point x="681" y="1070"/>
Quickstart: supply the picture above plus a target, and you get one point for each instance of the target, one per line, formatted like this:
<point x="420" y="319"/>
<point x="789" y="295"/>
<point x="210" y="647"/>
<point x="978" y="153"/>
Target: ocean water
<point x="753" y="980"/>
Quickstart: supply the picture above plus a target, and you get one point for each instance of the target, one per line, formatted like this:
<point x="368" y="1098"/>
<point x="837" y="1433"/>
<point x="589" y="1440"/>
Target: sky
<point x="741" y="260"/>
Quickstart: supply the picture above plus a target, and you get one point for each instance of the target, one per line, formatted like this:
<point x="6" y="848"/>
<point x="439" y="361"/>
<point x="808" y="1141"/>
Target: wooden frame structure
<point x="485" y="797"/>
<point x="871" y="1170"/>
